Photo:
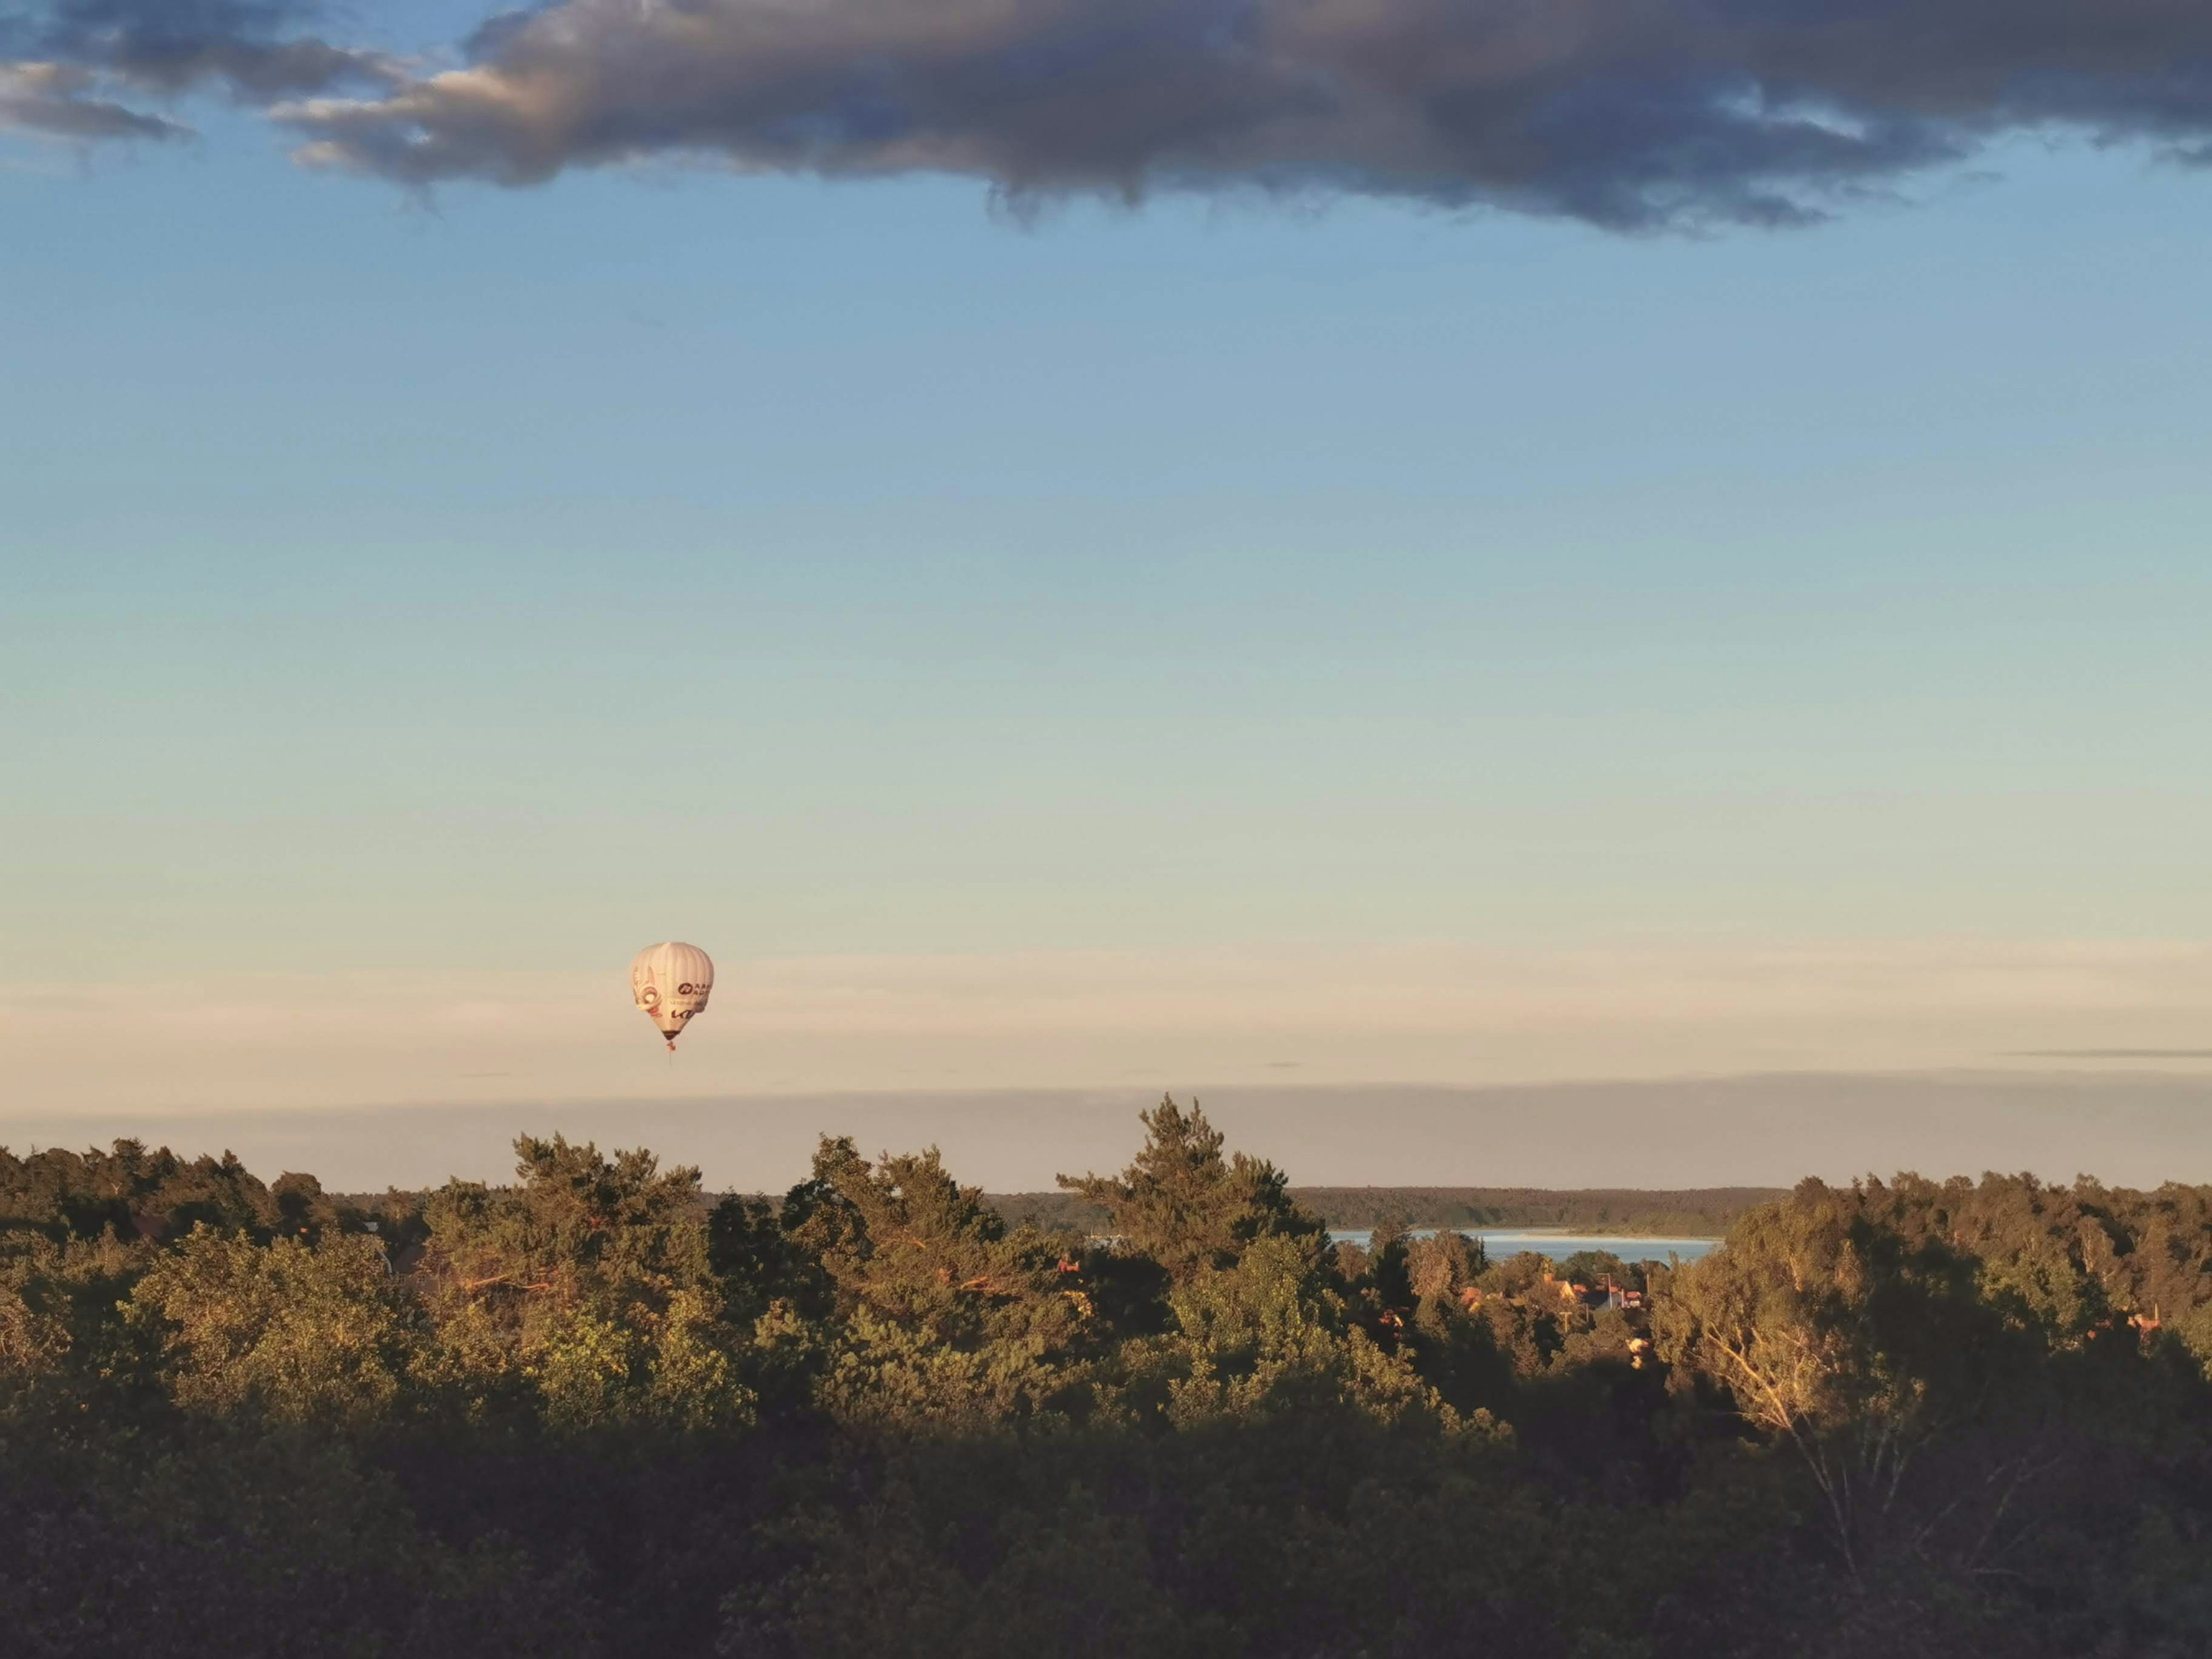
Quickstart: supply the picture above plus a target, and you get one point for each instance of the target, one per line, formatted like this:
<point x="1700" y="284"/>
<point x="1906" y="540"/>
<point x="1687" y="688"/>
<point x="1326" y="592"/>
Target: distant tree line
<point x="1630" y="1211"/>
<point x="1695" y="1212"/>
<point x="1690" y="1213"/>
<point x="597" y="1413"/>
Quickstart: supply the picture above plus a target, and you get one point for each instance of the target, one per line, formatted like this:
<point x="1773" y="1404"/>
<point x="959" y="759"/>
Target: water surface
<point x="1498" y="1243"/>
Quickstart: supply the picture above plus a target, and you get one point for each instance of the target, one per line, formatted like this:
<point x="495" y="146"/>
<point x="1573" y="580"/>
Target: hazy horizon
<point x="2127" y="1129"/>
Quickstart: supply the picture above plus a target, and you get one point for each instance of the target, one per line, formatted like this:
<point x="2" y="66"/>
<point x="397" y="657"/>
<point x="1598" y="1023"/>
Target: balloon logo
<point x="685" y="966"/>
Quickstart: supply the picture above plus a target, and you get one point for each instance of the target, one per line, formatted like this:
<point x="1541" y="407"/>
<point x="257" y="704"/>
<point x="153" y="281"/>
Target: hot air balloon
<point x="671" y="982"/>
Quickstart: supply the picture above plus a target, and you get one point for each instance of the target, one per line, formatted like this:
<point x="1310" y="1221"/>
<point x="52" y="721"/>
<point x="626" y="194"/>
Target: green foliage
<point x="298" y="1333"/>
<point x="584" y="1297"/>
<point x="1951" y="1367"/>
<point x="1184" y="1206"/>
<point x="1443" y="1264"/>
<point x="903" y="1240"/>
<point x="590" y="1414"/>
<point x="129" y="1193"/>
<point x="1698" y="1212"/>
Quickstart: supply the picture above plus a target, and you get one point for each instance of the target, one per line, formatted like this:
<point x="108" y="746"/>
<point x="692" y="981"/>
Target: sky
<point x="1073" y="561"/>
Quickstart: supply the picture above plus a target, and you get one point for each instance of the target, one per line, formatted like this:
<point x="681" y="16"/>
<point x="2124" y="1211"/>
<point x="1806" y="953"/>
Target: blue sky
<point x="846" y="570"/>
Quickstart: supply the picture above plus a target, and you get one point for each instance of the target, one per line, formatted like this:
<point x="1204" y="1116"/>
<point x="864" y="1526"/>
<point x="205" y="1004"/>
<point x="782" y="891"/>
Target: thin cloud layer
<point x="61" y="101"/>
<point x="1627" y="114"/>
<point x="1431" y="1013"/>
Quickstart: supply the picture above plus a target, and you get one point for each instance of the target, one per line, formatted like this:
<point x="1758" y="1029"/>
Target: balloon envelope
<point x="671" y="982"/>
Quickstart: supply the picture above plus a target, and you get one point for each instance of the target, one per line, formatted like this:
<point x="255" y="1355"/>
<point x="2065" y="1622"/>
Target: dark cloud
<point x="1628" y="113"/>
<point x="252" y="47"/>
<point x="80" y="58"/>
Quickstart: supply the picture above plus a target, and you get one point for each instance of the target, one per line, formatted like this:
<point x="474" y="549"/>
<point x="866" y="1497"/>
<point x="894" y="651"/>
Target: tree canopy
<point x="596" y="1412"/>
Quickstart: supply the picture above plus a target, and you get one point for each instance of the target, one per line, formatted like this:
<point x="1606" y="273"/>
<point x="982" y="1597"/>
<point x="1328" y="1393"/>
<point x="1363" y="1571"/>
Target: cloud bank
<point x="1627" y="114"/>
<point x="1752" y="1131"/>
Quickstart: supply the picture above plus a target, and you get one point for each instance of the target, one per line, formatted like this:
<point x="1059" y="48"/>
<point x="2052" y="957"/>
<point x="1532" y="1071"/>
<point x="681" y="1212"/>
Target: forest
<point x="600" y="1411"/>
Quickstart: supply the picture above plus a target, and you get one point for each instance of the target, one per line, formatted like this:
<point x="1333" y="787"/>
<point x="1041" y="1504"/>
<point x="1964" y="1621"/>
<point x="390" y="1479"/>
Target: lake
<point x="1499" y="1243"/>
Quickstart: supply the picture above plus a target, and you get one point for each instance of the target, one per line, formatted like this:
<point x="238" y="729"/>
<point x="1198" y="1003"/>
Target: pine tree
<point x="1184" y="1206"/>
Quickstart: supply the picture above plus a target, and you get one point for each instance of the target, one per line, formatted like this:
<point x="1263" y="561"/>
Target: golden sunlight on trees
<point x="598" y="1411"/>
